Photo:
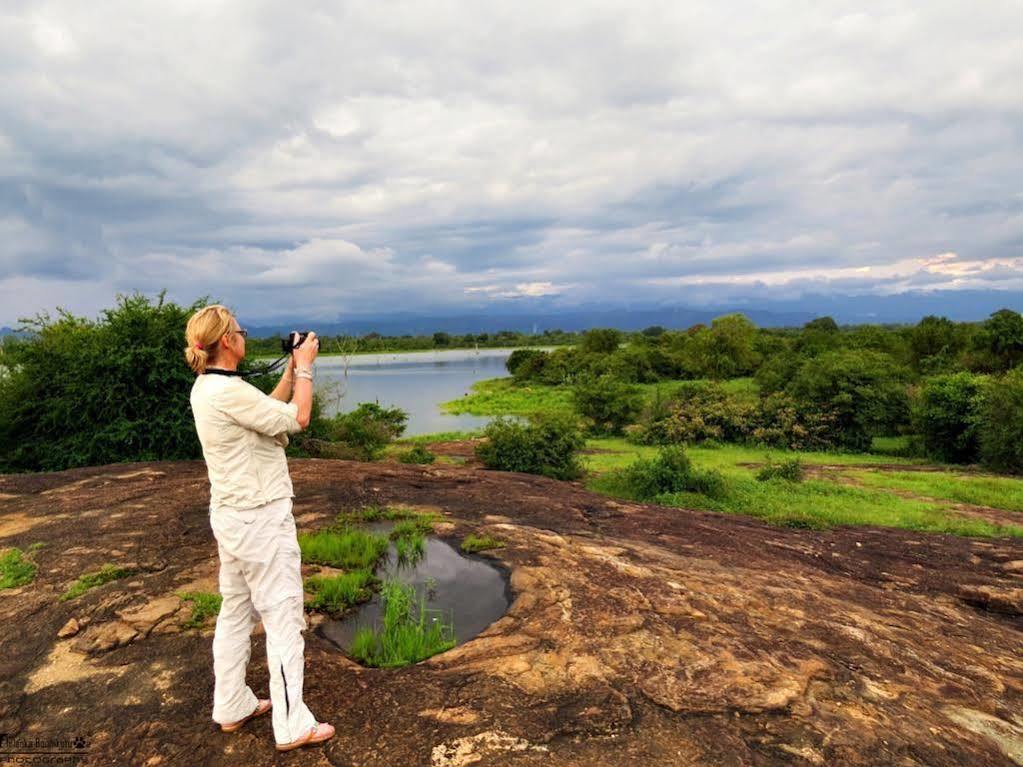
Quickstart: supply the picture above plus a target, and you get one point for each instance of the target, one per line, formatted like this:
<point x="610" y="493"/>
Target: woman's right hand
<point x="306" y="353"/>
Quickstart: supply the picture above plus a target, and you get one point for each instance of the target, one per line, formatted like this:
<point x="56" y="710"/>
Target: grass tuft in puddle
<point x="15" y="570"/>
<point x="473" y="543"/>
<point x="204" y="605"/>
<point x="409" y="633"/>
<point x="345" y="548"/>
<point x="333" y="594"/>
<point x="108" y="572"/>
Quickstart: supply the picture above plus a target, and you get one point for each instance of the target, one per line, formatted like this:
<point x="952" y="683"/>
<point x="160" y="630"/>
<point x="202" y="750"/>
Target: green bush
<point x="697" y="411"/>
<point x="600" y="341"/>
<point x="946" y="414"/>
<point x="864" y="390"/>
<point x="607" y="403"/>
<point x="82" y="393"/>
<point x="530" y="361"/>
<point x="670" y="472"/>
<point x="547" y="445"/>
<point x="1001" y="423"/>
<point x="417" y="454"/>
<point x="790" y="470"/>
<point x="792" y="425"/>
<point x="368" y="429"/>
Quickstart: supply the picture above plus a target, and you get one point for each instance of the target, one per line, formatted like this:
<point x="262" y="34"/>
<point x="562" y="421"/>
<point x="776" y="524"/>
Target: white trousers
<point x="260" y="578"/>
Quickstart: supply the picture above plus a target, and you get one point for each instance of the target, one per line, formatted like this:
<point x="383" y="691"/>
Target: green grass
<point x="336" y="593"/>
<point x="375" y="513"/>
<point x="440" y="436"/>
<point x="622" y="453"/>
<point x="108" y="572"/>
<point x="980" y="490"/>
<point x="815" y="504"/>
<point x="204" y="605"/>
<point x="408" y="634"/>
<point x="15" y="570"/>
<point x="473" y="543"/>
<point x="346" y="548"/>
<point x="501" y="396"/>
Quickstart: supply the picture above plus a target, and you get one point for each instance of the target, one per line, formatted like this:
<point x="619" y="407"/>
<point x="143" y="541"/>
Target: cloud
<point x="434" y="156"/>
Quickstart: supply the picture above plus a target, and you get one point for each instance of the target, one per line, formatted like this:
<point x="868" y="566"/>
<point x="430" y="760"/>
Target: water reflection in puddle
<point x="468" y="591"/>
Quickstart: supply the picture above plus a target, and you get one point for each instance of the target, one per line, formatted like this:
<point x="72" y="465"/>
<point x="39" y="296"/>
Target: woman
<point x="243" y="433"/>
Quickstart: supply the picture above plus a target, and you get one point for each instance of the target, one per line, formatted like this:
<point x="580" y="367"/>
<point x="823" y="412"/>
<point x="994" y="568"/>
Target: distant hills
<point x="959" y="305"/>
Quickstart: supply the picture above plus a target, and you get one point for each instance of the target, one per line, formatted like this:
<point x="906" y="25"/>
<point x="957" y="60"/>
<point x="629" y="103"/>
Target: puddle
<point x="469" y="591"/>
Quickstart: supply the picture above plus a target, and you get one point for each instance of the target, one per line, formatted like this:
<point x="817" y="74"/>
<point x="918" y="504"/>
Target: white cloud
<point x="437" y="154"/>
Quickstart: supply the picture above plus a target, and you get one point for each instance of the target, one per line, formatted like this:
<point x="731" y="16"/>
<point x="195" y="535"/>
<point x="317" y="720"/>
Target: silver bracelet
<point x="307" y="374"/>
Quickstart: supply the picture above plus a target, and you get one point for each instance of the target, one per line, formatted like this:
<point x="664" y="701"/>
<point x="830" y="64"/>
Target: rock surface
<point x="636" y="634"/>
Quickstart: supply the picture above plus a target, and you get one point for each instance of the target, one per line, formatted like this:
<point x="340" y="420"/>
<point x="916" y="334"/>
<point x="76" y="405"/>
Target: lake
<point x="417" y="382"/>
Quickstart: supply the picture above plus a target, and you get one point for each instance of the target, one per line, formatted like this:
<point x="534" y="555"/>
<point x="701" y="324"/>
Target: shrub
<point x="417" y="454"/>
<point x="1001" y="423"/>
<point x="699" y="411"/>
<point x="600" y="341"/>
<point x="530" y="361"/>
<point x="15" y="570"/>
<point x="548" y="445"/>
<point x="790" y="470"/>
<point x="670" y="472"/>
<point x="369" y="428"/>
<point x="81" y="393"/>
<point x="946" y="415"/>
<point x="864" y="390"/>
<point x="607" y="403"/>
<point x="786" y="423"/>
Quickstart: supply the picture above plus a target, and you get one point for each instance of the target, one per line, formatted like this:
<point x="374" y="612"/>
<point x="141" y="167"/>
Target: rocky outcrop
<point x="635" y="634"/>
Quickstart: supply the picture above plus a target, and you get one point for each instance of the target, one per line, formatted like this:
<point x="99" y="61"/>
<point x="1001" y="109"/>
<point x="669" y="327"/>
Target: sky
<point x="324" y="159"/>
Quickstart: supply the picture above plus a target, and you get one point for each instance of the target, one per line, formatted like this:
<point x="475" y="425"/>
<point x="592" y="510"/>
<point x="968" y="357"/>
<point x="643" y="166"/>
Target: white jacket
<point x="243" y="433"/>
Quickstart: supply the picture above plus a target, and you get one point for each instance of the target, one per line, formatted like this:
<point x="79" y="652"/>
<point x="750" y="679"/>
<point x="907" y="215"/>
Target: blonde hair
<point x="205" y="328"/>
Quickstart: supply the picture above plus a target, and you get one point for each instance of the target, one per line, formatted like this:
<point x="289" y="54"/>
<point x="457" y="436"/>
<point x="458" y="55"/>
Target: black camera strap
<point x="260" y="371"/>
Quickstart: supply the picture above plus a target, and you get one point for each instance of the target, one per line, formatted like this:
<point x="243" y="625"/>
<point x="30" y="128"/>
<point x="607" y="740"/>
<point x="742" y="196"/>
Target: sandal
<point x="321" y="732"/>
<point x="261" y="708"/>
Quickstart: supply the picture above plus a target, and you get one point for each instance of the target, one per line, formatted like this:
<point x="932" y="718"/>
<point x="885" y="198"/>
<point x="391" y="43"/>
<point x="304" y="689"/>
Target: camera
<point x="289" y="344"/>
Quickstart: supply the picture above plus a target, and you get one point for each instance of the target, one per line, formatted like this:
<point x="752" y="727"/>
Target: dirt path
<point x="638" y="634"/>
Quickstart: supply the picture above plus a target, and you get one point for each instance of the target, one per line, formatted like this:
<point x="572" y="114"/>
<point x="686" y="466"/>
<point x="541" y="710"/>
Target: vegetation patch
<point x="205" y="604"/>
<point x="15" y="570"/>
<point x="409" y="632"/>
<point x="790" y="470"/>
<point x="108" y="572"/>
<point x="548" y="445"/>
<point x="473" y="543"/>
<point x="981" y="489"/>
<point x="416" y="454"/>
<point x="334" y="594"/>
<point x="815" y="504"/>
<point x="345" y="548"/>
<point x="670" y="471"/>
